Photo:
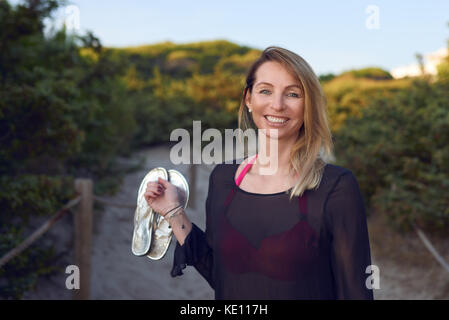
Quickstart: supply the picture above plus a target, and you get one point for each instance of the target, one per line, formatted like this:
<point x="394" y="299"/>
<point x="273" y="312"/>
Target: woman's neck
<point x="274" y="157"/>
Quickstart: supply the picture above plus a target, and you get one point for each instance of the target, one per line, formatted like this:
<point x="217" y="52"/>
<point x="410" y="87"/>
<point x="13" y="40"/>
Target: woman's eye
<point x="291" y="94"/>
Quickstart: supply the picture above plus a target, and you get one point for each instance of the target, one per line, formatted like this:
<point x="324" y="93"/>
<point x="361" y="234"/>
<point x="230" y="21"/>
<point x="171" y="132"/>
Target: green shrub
<point x="398" y="150"/>
<point x="63" y="114"/>
<point x="22" y="198"/>
<point x="370" y="73"/>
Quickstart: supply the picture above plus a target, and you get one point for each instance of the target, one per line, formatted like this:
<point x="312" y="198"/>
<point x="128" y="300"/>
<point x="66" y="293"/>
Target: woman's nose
<point x="278" y="102"/>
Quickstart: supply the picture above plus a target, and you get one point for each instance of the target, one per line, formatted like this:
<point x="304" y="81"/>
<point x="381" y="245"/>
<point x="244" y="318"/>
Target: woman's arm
<point x="177" y="222"/>
<point x="194" y="246"/>
<point x="350" y="250"/>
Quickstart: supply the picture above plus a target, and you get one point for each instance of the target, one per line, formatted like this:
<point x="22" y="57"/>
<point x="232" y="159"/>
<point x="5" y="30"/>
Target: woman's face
<point x="276" y="101"/>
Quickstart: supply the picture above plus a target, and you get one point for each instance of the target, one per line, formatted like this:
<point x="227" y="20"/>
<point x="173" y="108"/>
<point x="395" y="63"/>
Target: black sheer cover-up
<point x="265" y="247"/>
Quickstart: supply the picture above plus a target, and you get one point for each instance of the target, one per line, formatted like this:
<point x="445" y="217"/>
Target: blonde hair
<point x="314" y="146"/>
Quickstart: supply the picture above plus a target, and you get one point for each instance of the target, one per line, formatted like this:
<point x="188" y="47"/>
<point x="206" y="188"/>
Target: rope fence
<point x="39" y="232"/>
<point x="431" y="248"/>
<point x="83" y="230"/>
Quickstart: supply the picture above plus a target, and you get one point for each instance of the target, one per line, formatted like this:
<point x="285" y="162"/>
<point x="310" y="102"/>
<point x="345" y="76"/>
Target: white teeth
<point x="273" y="119"/>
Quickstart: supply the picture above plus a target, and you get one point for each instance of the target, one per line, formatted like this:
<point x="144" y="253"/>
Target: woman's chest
<point x="266" y="184"/>
<point x="269" y="236"/>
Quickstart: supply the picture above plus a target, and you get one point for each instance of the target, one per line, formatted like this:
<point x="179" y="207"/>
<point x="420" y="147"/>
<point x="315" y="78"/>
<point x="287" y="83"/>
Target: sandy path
<point x="118" y="274"/>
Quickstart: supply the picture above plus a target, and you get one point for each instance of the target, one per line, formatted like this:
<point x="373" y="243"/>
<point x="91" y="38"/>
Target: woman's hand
<point x="162" y="196"/>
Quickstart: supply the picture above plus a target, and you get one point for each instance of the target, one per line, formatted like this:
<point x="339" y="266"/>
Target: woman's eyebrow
<point x="267" y="83"/>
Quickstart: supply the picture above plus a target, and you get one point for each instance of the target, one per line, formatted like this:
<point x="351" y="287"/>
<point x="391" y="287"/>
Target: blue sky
<point x="331" y="35"/>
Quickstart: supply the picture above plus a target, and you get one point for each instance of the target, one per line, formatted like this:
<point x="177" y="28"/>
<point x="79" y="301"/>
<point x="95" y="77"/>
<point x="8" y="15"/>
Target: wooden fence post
<point x="83" y="236"/>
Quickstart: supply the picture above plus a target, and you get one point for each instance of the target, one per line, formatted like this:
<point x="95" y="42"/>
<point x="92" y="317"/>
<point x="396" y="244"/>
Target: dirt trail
<point x="118" y="274"/>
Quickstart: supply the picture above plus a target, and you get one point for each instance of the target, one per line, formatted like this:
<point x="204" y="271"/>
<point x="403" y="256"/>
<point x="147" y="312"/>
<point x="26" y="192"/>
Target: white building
<point x="431" y="61"/>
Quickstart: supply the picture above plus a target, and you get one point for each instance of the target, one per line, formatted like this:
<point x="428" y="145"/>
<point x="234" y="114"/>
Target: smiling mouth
<point x="276" y="119"/>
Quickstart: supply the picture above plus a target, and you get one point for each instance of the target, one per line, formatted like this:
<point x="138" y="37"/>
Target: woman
<point x="299" y="233"/>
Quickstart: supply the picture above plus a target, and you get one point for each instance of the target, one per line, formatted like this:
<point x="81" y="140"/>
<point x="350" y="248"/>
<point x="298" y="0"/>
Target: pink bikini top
<point x="280" y="256"/>
<point x="245" y="170"/>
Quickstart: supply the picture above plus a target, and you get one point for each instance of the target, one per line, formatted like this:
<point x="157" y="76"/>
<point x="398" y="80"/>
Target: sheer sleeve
<point x="197" y="248"/>
<point x="350" y="250"/>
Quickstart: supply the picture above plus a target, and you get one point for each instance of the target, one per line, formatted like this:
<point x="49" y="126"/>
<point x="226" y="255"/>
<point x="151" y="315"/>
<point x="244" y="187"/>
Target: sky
<point x="333" y="36"/>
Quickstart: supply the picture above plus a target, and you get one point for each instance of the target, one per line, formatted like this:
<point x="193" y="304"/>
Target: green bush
<point x="370" y="73"/>
<point x="22" y="198"/>
<point x="398" y="150"/>
<point x="62" y="115"/>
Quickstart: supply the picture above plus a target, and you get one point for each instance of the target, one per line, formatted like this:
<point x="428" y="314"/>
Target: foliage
<point x="181" y="61"/>
<point x="326" y="77"/>
<point x="398" y="150"/>
<point x="443" y="68"/>
<point x="443" y="71"/>
<point x="21" y="201"/>
<point x="348" y="95"/>
<point x="369" y="73"/>
<point x="63" y="113"/>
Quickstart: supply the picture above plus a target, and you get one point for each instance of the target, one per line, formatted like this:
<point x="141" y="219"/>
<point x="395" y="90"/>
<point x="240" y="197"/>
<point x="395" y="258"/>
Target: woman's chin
<point x="272" y="133"/>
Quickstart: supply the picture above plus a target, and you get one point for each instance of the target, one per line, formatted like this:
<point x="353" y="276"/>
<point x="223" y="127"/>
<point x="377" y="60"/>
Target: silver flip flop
<point x="144" y="215"/>
<point x="162" y="234"/>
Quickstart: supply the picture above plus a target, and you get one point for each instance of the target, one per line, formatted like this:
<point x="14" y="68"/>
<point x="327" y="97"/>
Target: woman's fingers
<point x="154" y="183"/>
<point x="155" y="189"/>
<point x="150" y="194"/>
<point x="153" y="186"/>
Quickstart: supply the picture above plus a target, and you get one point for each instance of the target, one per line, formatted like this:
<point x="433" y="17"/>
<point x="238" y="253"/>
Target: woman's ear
<point x="248" y="99"/>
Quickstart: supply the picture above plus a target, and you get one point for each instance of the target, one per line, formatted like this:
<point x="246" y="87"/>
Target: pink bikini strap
<point x="245" y="170"/>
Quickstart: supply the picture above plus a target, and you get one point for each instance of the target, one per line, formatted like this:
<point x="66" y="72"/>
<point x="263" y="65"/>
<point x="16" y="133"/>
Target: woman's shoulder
<point x="333" y="170"/>
<point x="332" y="174"/>
<point x="224" y="172"/>
<point x="338" y="177"/>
